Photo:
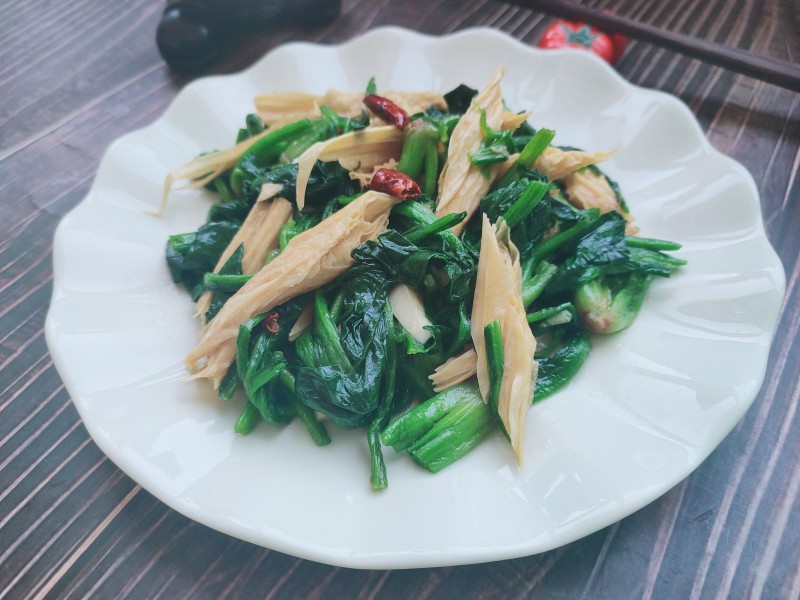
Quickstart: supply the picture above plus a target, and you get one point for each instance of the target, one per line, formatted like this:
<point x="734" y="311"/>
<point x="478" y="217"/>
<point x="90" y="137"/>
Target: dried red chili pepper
<point x="387" y="110"/>
<point x="271" y="322"/>
<point x="395" y="184"/>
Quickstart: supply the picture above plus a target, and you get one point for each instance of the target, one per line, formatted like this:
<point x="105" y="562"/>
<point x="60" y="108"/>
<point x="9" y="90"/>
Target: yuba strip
<point x="259" y="235"/>
<point x="455" y="370"/>
<point x="367" y="147"/>
<point x="461" y="183"/>
<point x="557" y="163"/>
<point x="498" y="297"/>
<point x="512" y="121"/>
<point x="310" y="260"/>
<point x="285" y="107"/>
<point x="587" y="189"/>
<point x="205" y="168"/>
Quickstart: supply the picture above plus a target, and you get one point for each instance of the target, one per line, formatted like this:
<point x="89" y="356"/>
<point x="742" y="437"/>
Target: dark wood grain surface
<point x="76" y="75"/>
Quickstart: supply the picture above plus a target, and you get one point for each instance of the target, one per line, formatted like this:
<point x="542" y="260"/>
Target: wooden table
<point x="77" y="75"/>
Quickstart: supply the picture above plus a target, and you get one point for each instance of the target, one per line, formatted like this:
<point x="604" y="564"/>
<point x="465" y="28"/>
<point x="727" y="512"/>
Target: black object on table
<point x="193" y="34"/>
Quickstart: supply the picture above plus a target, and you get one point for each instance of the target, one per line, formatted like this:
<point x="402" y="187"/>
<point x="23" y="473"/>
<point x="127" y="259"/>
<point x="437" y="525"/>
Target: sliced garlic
<point x="408" y="309"/>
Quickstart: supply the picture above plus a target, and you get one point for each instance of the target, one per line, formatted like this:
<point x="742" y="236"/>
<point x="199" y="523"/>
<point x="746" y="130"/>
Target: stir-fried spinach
<point x="345" y="362"/>
<point x="191" y="255"/>
<point x="354" y="364"/>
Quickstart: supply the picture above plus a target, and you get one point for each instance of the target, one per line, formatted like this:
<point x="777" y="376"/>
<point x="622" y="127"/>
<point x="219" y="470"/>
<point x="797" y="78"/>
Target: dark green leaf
<point x="351" y="393"/>
<point x="556" y="370"/>
<point x="459" y="99"/>
<point x="233" y="266"/>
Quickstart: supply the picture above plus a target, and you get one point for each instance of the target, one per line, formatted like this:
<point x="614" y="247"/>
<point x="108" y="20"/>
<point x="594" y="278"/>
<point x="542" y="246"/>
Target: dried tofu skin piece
<point x="303" y="322"/>
<point x="310" y="260"/>
<point x="587" y="189"/>
<point x="368" y="147"/>
<point x="455" y="370"/>
<point x="268" y="191"/>
<point x="416" y="102"/>
<point x="293" y="106"/>
<point x="205" y="168"/>
<point x="498" y="297"/>
<point x="286" y="106"/>
<point x="259" y="235"/>
<point x="462" y="184"/>
<point x="557" y="163"/>
<point x="512" y="121"/>
<point x="494" y="292"/>
<point x="262" y="238"/>
<point x="364" y="176"/>
<point x="519" y="376"/>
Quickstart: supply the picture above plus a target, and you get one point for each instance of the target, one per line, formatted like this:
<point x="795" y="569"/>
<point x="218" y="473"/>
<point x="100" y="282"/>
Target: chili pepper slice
<point x="395" y="184"/>
<point x="387" y="110"/>
<point x="271" y="323"/>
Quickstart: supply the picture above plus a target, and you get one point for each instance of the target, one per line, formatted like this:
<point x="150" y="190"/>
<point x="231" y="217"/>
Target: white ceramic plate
<point x="648" y="406"/>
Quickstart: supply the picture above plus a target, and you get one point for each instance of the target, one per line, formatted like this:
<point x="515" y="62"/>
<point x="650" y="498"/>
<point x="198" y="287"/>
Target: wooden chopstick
<point x="772" y="70"/>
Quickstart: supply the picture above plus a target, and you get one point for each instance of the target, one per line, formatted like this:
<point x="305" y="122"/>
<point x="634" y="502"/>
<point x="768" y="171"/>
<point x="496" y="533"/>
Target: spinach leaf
<point x="283" y="175"/>
<point x="344" y="370"/>
<point x="260" y="360"/>
<point x="495" y="147"/>
<point x="191" y="255"/>
<point x="233" y="266"/>
<point x="403" y="261"/>
<point x="347" y="356"/>
<point x="645" y="260"/>
<point x="253" y="125"/>
<point x="538" y="217"/>
<point x="459" y="99"/>
<point x="598" y="251"/>
<point x="556" y="370"/>
<point x="327" y="180"/>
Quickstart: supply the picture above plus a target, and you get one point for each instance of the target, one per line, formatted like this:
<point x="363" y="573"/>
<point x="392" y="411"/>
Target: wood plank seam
<point x="13" y="512"/>
<point x="665" y="530"/>
<point x="85" y="544"/>
<point x="45" y="358"/>
<point x="742" y="536"/>
<point x="30" y="438"/>
<point x="778" y="525"/>
<point x="85" y="108"/>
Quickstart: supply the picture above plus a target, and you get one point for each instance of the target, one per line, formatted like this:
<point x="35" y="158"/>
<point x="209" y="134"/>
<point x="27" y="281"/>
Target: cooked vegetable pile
<point x="418" y="266"/>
